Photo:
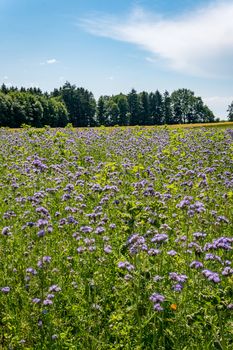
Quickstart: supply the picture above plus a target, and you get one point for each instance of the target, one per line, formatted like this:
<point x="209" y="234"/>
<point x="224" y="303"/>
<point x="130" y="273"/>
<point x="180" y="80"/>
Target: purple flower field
<point x="116" y="238"/>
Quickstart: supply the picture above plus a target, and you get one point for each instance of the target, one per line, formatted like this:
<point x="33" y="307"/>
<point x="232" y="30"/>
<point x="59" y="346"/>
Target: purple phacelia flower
<point x="99" y="230"/>
<point x="157" y="278"/>
<point x="42" y="210"/>
<point x="86" y="229"/>
<point x="92" y="248"/>
<point x="222" y="219"/>
<point x="157" y="298"/>
<point x="128" y="277"/>
<point x="41" y="233"/>
<point x="31" y="271"/>
<point x="5" y="290"/>
<point x="211" y="276"/>
<point x="54" y="288"/>
<point x="112" y="226"/>
<point x="80" y="250"/>
<point x="158" y="307"/>
<point x="153" y="251"/>
<point x="125" y="265"/>
<point x="178" y="277"/>
<point x="196" y="265"/>
<point x="107" y="249"/>
<point x="227" y="271"/>
<point x="36" y="300"/>
<point x="6" y="231"/>
<point x="210" y="256"/>
<point x="159" y="238"/>
<point x="45" y="260"/>
<point x="177" y="287"/>
<point x="198" y="235"/>
<point x="50" y="296"/>
<point x="172" y="252"/>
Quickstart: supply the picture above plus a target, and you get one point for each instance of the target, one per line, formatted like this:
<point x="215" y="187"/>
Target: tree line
<point x="76" y="105"/>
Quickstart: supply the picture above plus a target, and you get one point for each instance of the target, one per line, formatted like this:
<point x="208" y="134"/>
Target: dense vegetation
<point x="116" y="238"/>
<point x="79" y="107"/>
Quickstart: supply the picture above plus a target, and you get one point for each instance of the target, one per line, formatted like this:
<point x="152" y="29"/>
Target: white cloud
<point x="198" y="42"/>
<point x="51" y="61"/>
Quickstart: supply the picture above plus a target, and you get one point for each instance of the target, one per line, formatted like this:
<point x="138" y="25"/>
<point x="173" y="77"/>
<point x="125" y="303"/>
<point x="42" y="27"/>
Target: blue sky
<point x="113" y="46"/>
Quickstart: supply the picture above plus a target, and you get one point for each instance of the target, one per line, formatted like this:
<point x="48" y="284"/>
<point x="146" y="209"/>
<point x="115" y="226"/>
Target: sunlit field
<point x="116" y="238"/>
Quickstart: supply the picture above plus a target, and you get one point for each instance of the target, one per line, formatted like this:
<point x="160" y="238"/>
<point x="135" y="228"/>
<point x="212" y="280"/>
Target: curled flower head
<point x="6" y="231"/>
<point x="211" y="276"/>
<point x="54" y="288"/>
<point x="5" y="290"/>
<point x="36" y="301"/>
<point x="158" y="307"/>
<point x="157" y="298"/>
<point x="196" y="264"/>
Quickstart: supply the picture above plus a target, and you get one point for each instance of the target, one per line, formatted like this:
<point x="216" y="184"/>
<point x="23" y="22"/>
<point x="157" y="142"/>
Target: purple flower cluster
<point x="211" y="276"/>
<point x="157" y="299"/>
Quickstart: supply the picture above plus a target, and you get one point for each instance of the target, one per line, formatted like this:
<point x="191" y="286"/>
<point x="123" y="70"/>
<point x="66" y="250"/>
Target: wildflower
<point x="227" y="271"/>
<point x="41" y="233"/>
<point x="198" y="235"/>
<point x="128" y="277"/>
<point x="31" y="271"/>
<point x="36" y="300"/>
<point x="125" y="265"/>
<point x="47" y="302"/>
<point x="92" y="248"/>
<point x="108" y="249"/>
<point x="112" y="226"/>
<point x="80" y="249"/>
<point x="177" y="287"/>
<point x="196" y="264"/>
<point x="173" y="307"/>
<point x="211" y="276"/>
<point x="158" y="307"/>
<point x="153" y="251"/>
<point x="172" y="252"/>
<point x="99" y="230"/>
<point x="177" y="277"/>
<point x="86" y="229"/>
<point x="5" y="290"/>
<point x="50" y="296"/>
<point x="46" y="259"/>
<point x="42" y="210"/>
<point x="157" y="278"/>
<point x="6" y="231"/>
<point x="157" y="298"/>
<point x="54" y="288"/>
<point x="159" y="238"/>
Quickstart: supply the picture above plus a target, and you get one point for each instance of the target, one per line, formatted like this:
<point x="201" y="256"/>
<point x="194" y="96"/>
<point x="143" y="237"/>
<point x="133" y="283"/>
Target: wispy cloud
<point x="198" y="42"/>
<point x="49" y="61"/>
